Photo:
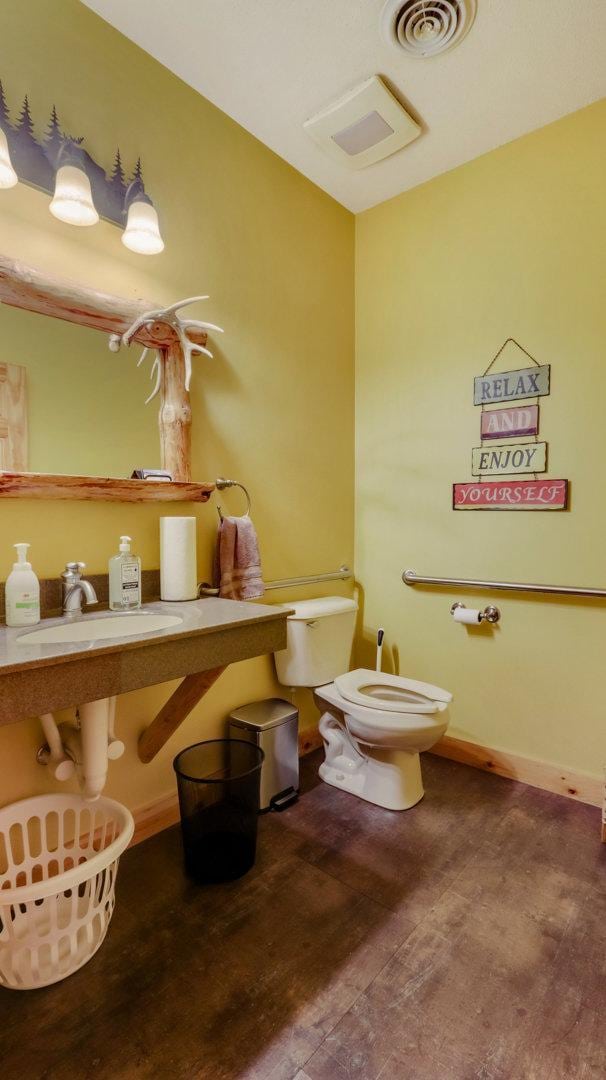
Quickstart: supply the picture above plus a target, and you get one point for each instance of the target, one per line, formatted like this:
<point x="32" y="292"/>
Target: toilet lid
<point x="391" y="693"/>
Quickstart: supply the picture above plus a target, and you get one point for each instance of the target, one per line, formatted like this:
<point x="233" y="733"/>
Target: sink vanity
<point x="63" y="663"/>
<point x="89" y="661"/>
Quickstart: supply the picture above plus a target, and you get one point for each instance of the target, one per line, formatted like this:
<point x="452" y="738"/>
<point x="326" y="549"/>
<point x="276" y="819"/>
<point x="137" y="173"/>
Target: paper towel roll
<point x="178" y="572"/>
<point x="471" y="616"/>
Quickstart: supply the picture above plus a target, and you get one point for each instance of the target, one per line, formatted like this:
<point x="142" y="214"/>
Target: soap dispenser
<point x="124" y="578"/>
<point x="22" y="592"/>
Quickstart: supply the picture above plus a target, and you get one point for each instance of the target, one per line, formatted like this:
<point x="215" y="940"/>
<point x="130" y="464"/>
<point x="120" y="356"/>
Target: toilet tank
<point x="319" y="640"/>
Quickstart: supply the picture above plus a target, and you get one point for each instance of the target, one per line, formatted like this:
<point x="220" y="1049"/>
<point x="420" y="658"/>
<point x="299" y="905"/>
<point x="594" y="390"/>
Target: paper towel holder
<point x="490" y="614"/>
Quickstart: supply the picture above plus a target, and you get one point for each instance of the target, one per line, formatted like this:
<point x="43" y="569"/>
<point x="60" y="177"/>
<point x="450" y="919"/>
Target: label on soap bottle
<point x="130" y="581"/>
<point x="24" y="609"/>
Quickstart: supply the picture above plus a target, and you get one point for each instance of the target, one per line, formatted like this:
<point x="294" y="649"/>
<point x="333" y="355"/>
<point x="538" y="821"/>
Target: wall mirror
<point x="73" y="418"/>
<point x="69" y="405"/>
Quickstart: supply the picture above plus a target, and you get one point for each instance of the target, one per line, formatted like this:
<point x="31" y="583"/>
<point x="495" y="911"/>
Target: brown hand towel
<point x="237" y="569"/>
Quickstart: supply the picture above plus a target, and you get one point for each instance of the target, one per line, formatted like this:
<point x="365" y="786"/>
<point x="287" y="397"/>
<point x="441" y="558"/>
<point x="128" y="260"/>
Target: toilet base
<point x="385" y="777"/>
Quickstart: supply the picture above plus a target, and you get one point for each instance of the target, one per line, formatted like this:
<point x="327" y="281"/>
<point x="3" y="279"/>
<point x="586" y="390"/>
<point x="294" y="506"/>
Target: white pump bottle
<point x="22" y="592"/>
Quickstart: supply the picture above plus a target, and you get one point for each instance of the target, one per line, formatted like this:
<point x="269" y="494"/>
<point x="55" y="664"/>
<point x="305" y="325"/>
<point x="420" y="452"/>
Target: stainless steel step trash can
<point x="273" y="725"/>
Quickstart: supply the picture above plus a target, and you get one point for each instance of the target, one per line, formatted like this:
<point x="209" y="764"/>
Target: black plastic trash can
<point x="218" y="783"/>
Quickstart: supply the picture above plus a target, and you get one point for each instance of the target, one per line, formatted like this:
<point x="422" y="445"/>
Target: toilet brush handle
<point x="380" y="636"/>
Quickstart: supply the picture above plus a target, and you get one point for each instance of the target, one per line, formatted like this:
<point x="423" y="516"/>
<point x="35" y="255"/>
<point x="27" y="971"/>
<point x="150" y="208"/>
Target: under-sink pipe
<point x="52" y="736"/>
<point x="94" y="740"/>
<point x="88" y="744"/>
<point x="85" y="747"/>
<point x="56" y="756"/>
<point x="115" y="747"/>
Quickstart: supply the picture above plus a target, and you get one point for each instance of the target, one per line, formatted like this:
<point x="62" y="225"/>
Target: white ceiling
<point x="270" y="64"/>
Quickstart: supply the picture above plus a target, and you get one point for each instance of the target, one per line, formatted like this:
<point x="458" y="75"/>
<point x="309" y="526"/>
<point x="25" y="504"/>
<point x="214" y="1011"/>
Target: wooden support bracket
<point x="174" y="712"/>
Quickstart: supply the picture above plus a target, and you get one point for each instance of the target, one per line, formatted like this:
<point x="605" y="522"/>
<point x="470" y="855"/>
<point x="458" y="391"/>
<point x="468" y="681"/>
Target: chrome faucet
<point x="76" y="589"/>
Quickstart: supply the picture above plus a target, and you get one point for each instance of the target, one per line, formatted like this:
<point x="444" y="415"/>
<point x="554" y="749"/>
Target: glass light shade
<point x="142" y="233"/>
<point x="73" y="198"/>
<point x="8" y="176"/>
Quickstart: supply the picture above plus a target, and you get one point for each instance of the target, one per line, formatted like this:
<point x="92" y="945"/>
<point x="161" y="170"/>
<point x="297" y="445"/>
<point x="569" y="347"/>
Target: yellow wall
<point x="275" y="406"/>
<point x="508" y="245"/>
<point x="511" y="244"/>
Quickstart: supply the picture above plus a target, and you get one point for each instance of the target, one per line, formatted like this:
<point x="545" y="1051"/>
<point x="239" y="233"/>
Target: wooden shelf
<point x="22" y="485"/>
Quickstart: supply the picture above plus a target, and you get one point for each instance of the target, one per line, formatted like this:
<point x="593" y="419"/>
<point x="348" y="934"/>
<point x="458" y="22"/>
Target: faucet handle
<point x="73" y="571"/>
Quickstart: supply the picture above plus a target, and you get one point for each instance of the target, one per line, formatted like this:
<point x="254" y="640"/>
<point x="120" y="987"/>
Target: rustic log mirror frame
<point x="30" y="289"/>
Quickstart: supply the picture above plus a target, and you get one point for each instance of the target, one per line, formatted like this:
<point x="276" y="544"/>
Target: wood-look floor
<point x="463" y="939"/>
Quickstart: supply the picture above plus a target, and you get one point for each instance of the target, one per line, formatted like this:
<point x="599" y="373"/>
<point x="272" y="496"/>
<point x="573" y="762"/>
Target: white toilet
<point x="374" y="725"/>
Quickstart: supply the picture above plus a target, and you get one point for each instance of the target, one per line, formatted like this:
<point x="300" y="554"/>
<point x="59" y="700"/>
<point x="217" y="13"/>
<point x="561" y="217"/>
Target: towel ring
<point x="221" y="484"/>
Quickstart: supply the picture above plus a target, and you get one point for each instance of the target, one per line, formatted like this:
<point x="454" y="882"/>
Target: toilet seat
<point x="375" y="727"/>
<point x="383" y="693"/>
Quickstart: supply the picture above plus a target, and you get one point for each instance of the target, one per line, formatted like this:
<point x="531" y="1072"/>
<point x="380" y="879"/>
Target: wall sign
<point x="507" y="460"/>
<point x="511" y="385"/>
<point x="511" y="495"/>
<point x="509" y="423"/>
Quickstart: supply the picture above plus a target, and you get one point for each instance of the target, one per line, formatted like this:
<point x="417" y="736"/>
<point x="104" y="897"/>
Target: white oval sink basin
<point x="114" y="626"/>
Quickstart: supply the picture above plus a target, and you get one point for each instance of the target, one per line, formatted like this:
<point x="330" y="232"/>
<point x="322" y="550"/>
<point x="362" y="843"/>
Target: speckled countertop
<point x="200" y="617"/>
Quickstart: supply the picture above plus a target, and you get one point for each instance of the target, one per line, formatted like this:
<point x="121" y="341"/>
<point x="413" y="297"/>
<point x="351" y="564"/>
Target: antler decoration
<point x="171" y="316"/>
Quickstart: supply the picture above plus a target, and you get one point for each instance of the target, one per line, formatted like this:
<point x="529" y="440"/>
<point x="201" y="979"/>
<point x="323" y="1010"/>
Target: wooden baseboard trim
<point x="309" y="741"/>
<point x="161" y="813"/>
<point x="155" y="816"/>
<point x="541" y="774"/>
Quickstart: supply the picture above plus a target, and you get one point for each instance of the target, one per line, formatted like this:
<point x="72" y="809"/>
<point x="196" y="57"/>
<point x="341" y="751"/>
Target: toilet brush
<point x="380" y="636"/>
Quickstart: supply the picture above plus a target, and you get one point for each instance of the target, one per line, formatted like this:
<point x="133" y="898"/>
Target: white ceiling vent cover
<point x="364" y="126"/>
<point x="426" y="27"/>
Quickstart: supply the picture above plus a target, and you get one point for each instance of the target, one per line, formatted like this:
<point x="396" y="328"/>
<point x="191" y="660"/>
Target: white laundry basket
<point x="58" y="865"/>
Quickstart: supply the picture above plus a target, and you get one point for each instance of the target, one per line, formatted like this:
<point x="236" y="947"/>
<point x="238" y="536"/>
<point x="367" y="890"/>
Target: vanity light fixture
<point x="8" y="176"/>
<point x="73" y="198"/>
<point x="142" y="232"/>
<point x="80" y="189"/>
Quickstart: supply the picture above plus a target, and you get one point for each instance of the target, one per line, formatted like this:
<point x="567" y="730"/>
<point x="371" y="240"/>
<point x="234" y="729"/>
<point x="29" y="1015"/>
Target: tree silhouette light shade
<point x="73" y="198"/>
<point x="81" y="191"/>
<point x="8" y="176"/>
<point x="142" y="232"/>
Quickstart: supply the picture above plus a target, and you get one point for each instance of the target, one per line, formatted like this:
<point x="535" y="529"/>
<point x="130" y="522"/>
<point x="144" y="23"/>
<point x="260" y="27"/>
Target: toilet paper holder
<point x="490" y="614"/>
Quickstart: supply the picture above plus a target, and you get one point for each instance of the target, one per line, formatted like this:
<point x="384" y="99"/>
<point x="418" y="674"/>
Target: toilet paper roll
<point x="178" y="574"/>
<point x="470" y="616"/>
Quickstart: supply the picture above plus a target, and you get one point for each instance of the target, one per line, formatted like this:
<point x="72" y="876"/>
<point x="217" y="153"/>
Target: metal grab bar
<point x="342" y="574"/>
<point x="410" y="577"/>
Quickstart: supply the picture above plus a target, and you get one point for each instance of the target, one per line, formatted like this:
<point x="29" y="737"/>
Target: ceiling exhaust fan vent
<point x="426" y="27"/>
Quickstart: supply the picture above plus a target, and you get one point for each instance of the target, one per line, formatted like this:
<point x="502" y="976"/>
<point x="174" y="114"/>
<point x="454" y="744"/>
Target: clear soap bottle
<point x="124" y="578"/>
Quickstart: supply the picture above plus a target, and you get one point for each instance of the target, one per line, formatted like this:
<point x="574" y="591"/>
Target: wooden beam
<point x="15" y="485"/>
<point x="25" y="287"/>
<point x="174" y="712"/>
<point x="13" y="417"/>
<point x="174" y="417"/>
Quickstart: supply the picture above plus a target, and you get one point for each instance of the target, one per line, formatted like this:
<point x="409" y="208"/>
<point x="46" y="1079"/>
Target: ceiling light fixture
<point x="142" y="232"/>
<point x="8" y="176"/>
<point x="73" y="198"/>
<point x="80" y="189"/>
<point x="363" y="127"/>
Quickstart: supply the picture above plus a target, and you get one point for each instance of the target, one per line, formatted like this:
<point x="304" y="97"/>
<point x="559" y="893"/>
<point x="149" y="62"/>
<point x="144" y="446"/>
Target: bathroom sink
<point x="89" y="629"/>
